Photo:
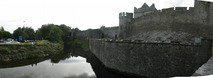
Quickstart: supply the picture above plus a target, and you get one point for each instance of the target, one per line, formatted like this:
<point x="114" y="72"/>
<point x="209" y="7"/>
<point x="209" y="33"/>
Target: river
<point x="69" y="64"/>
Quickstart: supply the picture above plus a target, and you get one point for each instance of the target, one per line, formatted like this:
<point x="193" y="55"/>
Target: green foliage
<point x="85" y="47"/>
<point x="66" y="32"/>
<point x="79" y="44"/>
<point x="23" y="49"/>
<point x="50" y="32"/>
<point x="19" y="32"/>
<point x="44" y="31"/>
<point x="2" y="28"/>
<point x="4" y="50"/>
<point x="30" y="33"/>
<point x="4" y="34"/>
<point x="42" y="42"/>
<point x="27" y="33"/>
<point x="55" y="35"/>
<point x="28" y="51"/>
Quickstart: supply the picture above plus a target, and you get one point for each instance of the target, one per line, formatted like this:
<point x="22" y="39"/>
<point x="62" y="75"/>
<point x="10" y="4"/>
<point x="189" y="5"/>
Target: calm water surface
<point x="73" y="67"/>
<point x="69" y="64"/>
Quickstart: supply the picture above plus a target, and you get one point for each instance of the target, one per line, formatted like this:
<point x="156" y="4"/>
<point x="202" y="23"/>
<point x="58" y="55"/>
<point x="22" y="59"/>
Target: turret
<point x="124" y="27"/>
<point x="144" y="10"/>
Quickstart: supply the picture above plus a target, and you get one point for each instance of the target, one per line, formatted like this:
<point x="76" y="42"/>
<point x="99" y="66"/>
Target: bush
<point x="4" y="50"/>
<point x="22" y="49"/>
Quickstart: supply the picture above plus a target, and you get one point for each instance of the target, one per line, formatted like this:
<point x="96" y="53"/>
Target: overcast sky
<point x="83" y="14"/>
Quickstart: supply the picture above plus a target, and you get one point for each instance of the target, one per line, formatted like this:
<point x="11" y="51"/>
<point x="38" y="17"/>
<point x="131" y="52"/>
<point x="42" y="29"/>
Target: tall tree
<point x="45" y="30"/>
<point x="2" y="28"/>
<point x="50" y="32"/>
<point x="38" y="35"/>
<point x="30" y="33"/>
<point x="66" y="31"/>
<point x="19" y="32"/>
<point x="55" y="34"/>
<point x="4" y="34"/>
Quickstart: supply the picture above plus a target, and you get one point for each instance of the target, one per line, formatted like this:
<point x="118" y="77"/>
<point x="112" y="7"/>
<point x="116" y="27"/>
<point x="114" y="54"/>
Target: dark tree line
<point x="4" y="34"/>
<point x="51" y="32"/>
<point x="27" y="33"/>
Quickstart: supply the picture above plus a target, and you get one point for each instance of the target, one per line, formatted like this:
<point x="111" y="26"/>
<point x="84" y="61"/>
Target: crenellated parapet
<point x="144" y="10"/>
<point x="126" y="15"/>
<point x="178" y="19"/>
<point x="124" y="24"/>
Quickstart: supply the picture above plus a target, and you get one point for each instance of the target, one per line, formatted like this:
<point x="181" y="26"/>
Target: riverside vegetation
<point x="54" y="38"/>
<point x="26" y="51"/>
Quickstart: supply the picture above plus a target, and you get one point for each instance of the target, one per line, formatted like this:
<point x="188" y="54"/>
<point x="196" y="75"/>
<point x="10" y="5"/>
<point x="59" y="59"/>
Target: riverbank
<point x="9" y="52"/>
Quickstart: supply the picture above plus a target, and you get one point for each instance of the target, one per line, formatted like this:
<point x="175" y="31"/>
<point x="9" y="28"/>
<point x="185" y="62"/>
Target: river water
<point x="69" y="64"/>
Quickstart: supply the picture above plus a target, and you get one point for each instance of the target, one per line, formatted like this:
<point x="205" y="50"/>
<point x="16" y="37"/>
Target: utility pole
<point x="24" y="23"/>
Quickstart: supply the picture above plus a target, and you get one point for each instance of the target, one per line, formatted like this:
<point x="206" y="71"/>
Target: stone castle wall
<point x="109" y="32"/>
<point x="103" y="32"/>
<point x="178" y="20"/>
<point x="197" y="20"/>
<point x="154" y="60"/>
<point x="88" y="34"/>
<point x="211" y="14"/>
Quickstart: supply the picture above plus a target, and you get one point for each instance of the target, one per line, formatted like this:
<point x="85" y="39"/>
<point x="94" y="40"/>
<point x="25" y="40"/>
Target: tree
<point x="66" y="31"/>
<point x="50" y="32"/>
<point x="7" y="34"/>
<point x="19" y="32"/>
<point x="45" y="30"/>
<point x="30" y="33"/>
<point x="1" y="34"/>
<point x="55" y="35"/>
<point x="4" y="34"/>
<point x="2" y="28"/>
<point x="38" y="35"/>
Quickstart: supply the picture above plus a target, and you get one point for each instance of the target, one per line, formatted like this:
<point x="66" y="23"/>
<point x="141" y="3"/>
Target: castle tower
<point x="195" y="3"/>
<point x="124" y="24"/>
<point x="204" y="11"/>
<point x="144" y="10"/>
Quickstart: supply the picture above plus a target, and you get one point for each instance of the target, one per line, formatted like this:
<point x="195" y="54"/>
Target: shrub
<point x="22" y="49"/>
<point x="4" y="50"/>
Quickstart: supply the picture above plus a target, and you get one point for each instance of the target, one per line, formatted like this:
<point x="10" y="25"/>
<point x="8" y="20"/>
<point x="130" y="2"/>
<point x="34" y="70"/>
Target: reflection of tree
<point x="61" y="56"/>
<point x="67" y="53"/>
<point x="22" y="62"/>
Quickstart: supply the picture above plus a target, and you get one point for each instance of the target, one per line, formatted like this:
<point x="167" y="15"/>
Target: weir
<point x="154" y="60"/>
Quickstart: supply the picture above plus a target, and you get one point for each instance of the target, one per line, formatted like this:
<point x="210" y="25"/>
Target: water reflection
<point x="69" y="64"/>
<point x="46" y="69"/>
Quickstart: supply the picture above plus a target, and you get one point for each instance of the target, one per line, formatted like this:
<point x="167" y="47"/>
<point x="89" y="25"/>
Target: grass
<point x="16" y="52"/>
<point x="34" y="43"/>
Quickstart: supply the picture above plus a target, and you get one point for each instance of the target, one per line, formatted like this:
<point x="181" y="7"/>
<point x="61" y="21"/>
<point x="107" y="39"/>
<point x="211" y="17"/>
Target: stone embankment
<point x="152" y="59"/>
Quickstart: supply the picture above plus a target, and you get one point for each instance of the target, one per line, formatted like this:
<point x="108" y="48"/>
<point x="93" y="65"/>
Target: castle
<point x="197" y="20"/>
<point x="149" y="24"/>
<point x="172" y="52"/>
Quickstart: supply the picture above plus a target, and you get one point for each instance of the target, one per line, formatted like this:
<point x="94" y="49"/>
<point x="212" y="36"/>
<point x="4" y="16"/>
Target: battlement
<point x="180" y="8"/>
<point x="167" y="19"/>
<point x="174" y="9"/>
<point x="168" y="9"/>
<point x="126" y="14"/>
<point x="154" y="42"/>
<point x="144" y="10"/>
